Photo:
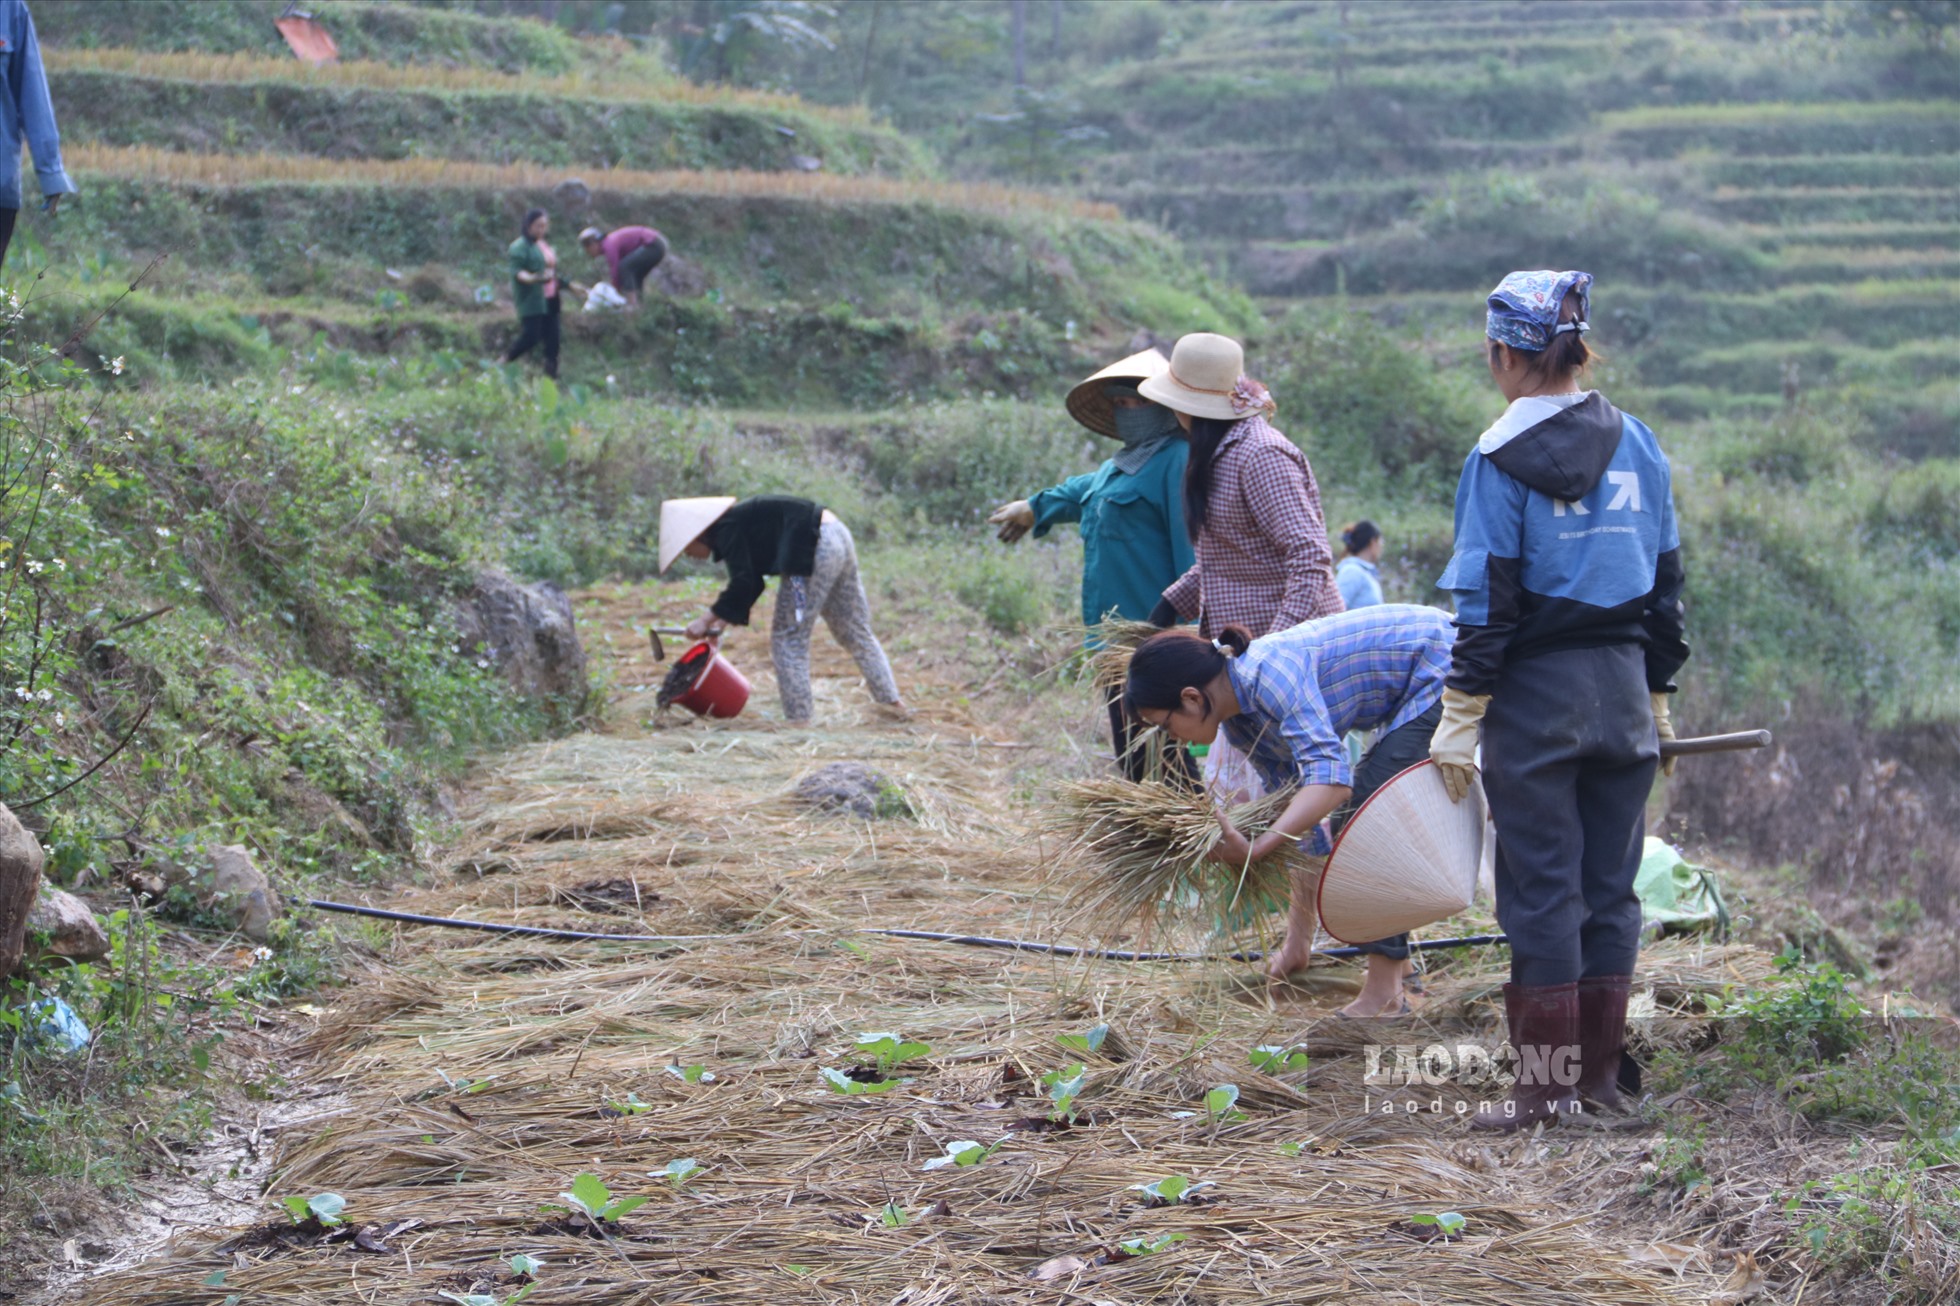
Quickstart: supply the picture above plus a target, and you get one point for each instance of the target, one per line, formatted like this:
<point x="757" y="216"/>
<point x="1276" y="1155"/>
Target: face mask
<point x="1137" y="425"/>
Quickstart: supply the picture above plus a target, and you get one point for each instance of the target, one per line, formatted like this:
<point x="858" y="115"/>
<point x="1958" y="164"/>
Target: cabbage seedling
<point x="679" y="1172"/>
<point x="1064" y="1086"/>
<point x="632" y="1106"/>
<point x="891" y="1050"/>
<point x="1088" y="1042"/>
<point x="1148" y="1246"/>
<point x="963" y="1153"/>
<point x="590" y="1196"/>
<point x="325" y="1207"/>
<point x="694" y="1074"/>
<point x="842" y="1083"/>
<point x="893" y="1215"/>
<point x="1276" y="1060"/>
<point x="1450" y="1222"/>
<point x="1172" y="1190"/>
<point x="1219" y="1104"/>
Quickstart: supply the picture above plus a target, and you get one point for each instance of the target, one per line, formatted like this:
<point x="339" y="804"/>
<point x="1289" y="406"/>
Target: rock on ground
<point x="852" y="788"/>
<point x="62" y="925"/>
<point x="527" y="631"/>
<point x="238" y="883"/>
<point x="21" y="860"/>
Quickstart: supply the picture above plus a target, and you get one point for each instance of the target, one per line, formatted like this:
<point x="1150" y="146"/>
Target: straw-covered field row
<point x="722" y="1078"/>
<point x="177" y="168"/>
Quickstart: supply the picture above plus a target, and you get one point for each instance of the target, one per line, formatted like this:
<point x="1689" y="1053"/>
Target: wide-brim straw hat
<point x="1203" y="372"/>
<point x="1408" y="858"/>
<point x="683" y="520"/>
<point x="1088" y="404"/>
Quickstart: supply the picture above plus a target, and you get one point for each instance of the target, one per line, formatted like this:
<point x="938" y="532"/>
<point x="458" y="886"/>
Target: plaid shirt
<point x="1302" y="689"/>
<point x="1263" y="561"/>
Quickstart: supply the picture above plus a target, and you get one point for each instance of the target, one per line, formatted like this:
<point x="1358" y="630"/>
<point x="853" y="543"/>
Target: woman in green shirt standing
<point x="534" y="289"/>
<point x="1130" y="510"/>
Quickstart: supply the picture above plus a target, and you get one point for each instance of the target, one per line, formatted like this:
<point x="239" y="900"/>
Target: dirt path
<point x="481" y="1076"/>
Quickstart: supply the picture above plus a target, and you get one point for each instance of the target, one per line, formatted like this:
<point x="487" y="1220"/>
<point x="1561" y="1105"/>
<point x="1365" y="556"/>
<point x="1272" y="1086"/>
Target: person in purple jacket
<point x="631" y="255"/>
<point x="25" y="114"/>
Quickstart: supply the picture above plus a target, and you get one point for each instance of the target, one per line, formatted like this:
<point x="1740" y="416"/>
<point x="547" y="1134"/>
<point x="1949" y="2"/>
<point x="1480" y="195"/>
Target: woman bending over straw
<point x="1285" y="702"/>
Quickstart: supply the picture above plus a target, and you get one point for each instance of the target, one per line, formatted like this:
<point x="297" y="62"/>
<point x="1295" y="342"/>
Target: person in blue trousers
<point x="26" y="114"/>
<point x="1567" y="578"/>
<point x="1130" y="511"/>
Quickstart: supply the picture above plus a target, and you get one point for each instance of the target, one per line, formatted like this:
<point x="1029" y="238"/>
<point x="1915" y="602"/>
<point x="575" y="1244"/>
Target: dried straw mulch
<point x="483" y="1075"/>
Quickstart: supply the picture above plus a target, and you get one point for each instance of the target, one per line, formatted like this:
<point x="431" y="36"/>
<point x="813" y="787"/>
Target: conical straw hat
<point x="1088" y="404"/>
<point x="683" y="520"/>
<point x="1408" y="858"/>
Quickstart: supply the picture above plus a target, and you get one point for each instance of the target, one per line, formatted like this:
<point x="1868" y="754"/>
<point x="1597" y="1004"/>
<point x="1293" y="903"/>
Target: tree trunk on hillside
<point x="20" y="881"/>
<point x="1020" y="25"/>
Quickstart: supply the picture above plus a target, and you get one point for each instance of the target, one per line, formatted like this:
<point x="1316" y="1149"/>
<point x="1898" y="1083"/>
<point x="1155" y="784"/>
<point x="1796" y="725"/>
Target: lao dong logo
<point x="1471" y="1065"/>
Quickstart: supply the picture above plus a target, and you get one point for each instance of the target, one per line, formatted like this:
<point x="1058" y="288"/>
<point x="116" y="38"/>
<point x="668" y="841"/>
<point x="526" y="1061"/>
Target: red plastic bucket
<point x="719" y="689"/>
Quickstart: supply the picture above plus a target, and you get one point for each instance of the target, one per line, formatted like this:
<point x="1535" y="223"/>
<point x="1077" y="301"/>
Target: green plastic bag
<point x="1677" y="895"/>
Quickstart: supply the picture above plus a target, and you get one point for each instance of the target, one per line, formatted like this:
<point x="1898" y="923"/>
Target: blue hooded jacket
<point x="1566" y="538"/>
<point x="25" y="110"/>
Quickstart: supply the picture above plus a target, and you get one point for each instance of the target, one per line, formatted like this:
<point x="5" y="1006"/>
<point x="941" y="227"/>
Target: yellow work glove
<point x="1664" y="727"/>
<point x="1453" y="748"/>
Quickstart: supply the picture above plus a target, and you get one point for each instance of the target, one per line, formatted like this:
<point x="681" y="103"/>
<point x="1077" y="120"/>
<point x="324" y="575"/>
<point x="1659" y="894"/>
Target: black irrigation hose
<point x="935" y="936"/>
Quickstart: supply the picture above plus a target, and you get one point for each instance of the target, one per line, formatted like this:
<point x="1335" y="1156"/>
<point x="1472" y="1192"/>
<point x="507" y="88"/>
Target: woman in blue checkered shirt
<point x="1285" y="701"/>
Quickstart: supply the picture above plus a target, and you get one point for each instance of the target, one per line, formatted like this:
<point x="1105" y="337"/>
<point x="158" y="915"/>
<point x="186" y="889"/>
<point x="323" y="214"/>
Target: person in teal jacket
<point x="1130" y="511"/>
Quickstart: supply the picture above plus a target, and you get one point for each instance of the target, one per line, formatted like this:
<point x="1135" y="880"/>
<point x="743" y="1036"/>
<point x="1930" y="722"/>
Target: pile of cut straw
<point x="1115" y="639"/>
<point x="1146" y="846"/>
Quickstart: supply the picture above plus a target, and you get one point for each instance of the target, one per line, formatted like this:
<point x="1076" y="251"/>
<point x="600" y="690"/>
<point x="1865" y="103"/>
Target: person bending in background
<point x="26" y="113"/>
<point x="806" y="545"/>
<point x="1286" y="701"/>
<point x="534" y="289"/>
<point x="631" y="255"/>
<point x="1358" y="574"/>
<point x="1567" y="578"/>
<point x="1131" y="511"/>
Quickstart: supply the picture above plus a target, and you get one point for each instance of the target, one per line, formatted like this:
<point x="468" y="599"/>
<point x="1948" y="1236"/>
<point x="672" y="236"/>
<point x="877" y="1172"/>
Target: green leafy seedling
<point x="1276" y="1060"/>
<point x="893" y="1215"/>
<point x="694" y="1074"/>
<point x="632" y="1106"/>
<point x="465" y="1085"/>
<point x="1220" y="1104"/>
<point x="891" y="1050"/>
<point x="590" y="1195"/>
<point x="800" y="1270"/>
<point x="1450" y="1222"/>
<point x="1171" y="1190"/>
<point x="1088" y="1042"/>
<point x="324" y="1207"/>
<point x="679" y="1172"/>
<point x="1149" y="1246"/>
<point x="525" y="1264"/>
<point x="1292" y="1149"/>
<point x="963" y="1153"/>
<point x="842" y="1083"/>
<point x="1064" y="1087"/>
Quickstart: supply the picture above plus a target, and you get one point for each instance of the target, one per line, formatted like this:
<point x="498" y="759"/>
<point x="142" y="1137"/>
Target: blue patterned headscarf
<point x="1524" y="307"/>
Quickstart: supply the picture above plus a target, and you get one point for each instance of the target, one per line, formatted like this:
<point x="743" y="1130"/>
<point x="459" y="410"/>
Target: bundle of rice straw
<point x="1146" y="844"/>
<point x="1114" y="640"/>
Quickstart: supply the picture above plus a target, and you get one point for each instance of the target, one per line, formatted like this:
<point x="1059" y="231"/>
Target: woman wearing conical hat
<point x="1130" y="511"/>
<point x="1567" y="578"/>
<point x="812" y="551"/>
<point x="1285" y="701"/>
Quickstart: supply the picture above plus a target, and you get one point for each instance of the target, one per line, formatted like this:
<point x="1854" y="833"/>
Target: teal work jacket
<point x="1134" y="545"/>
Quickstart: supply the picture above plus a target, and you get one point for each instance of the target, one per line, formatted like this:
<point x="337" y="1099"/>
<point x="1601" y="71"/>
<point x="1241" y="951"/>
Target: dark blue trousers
<point x="1568" y="762"/>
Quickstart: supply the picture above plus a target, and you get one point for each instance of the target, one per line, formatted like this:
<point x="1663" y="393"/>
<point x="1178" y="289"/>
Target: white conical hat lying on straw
<point x="683" y="520"/>
<point x="1407" y="858"/>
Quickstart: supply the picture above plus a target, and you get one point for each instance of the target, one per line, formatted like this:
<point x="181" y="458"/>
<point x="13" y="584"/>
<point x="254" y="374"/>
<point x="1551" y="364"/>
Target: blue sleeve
<point x="1663" y="618"/>
<point x="1183" y="556"/>
<point x="1483" y="573"/>
<point x="30" y="82"/>
<point x="1061" y="503"/>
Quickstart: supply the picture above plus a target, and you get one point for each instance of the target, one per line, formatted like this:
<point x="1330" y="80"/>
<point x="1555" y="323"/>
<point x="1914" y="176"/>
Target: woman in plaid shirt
<point x="1250" y="501"/>
<point x="1286" y="701"/>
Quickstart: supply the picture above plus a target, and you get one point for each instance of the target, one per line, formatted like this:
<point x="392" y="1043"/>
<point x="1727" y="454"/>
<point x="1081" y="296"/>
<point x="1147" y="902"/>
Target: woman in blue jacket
<point x="1567" y="577"/>
<point x="1131" y="511"/>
